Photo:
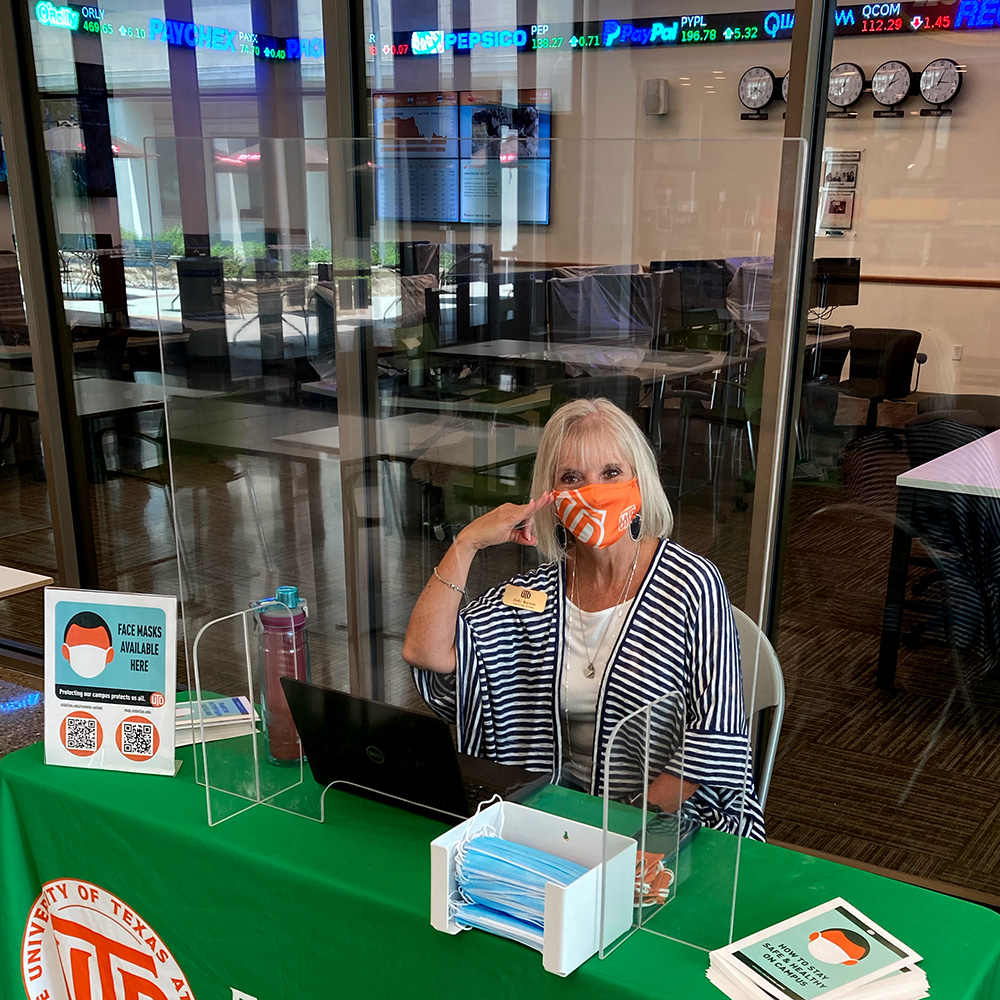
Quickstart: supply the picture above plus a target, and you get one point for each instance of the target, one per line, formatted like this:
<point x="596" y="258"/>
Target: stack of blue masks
<point x="502" y="887"/>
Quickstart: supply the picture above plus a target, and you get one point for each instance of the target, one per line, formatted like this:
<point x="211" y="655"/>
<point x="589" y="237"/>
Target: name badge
<point x="527" y="600"/>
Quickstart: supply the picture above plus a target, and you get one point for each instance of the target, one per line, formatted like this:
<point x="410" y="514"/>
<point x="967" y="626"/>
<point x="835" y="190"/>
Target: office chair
<point x="985" y="408"/>
<point x="763" y="698"/>
<point x="961" y="535"/>
<point x="880" y="367"/>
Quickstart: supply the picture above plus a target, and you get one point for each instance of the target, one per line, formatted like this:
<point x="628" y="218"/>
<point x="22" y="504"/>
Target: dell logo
<point x="375" y="755"/>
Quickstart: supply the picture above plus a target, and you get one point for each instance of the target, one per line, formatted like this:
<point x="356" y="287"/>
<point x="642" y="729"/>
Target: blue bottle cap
<point x="289" y="596"/>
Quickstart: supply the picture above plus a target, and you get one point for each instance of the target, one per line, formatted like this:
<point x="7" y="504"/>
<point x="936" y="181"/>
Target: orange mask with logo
<point x="600" y="513"/>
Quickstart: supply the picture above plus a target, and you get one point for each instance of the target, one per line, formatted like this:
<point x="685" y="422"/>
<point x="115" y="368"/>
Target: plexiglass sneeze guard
<point x="361" y="343"/>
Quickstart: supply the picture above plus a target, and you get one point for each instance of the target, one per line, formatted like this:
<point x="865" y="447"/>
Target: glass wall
<point x="131" y="227"/>
<point x="889" y="606"/>
<point x="26" y="532"/>
<point x="362" y="341"/>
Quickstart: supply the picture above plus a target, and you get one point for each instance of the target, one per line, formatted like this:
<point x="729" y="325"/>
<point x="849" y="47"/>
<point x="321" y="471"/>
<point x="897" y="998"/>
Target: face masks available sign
<point x="110" y="669"/>
<point x="82" y="943"/>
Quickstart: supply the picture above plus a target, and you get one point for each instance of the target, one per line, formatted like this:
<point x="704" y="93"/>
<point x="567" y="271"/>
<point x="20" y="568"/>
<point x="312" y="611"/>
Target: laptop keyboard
<point x="475" y="793"/>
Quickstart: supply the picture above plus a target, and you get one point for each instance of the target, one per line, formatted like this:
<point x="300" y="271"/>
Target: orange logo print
<point x="83" y="943"/>
<point x="582" y="520"/>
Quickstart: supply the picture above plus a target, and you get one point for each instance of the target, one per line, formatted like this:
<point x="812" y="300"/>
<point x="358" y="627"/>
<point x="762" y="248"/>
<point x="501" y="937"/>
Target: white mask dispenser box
<point x="574" y="929"/>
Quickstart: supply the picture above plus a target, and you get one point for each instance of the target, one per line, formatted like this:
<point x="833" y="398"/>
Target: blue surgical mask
<point x="498" y="922"/>
<point x="510" y="878"/>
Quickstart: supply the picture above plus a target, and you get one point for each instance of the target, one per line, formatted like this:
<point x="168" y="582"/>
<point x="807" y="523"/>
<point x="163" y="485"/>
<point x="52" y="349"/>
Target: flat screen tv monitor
<point x="463" y="156"/>
<point x="836" y="282"/>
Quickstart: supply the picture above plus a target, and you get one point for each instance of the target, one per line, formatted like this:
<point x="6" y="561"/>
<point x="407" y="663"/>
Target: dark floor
<point x="908" y="781"/>
<point x="21" y="715"/>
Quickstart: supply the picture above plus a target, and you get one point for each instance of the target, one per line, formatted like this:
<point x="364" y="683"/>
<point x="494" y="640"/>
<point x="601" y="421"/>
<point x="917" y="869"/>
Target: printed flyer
<point x="828" y="951"/>
<point x="110" y="680"/>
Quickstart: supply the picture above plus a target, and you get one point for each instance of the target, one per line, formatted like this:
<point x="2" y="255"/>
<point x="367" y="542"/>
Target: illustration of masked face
<point x="838" y="946"/>
<point x="88" y="650"/>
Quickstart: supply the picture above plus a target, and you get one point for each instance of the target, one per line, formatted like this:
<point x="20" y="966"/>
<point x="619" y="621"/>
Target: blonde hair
<point x="597" y="423"/>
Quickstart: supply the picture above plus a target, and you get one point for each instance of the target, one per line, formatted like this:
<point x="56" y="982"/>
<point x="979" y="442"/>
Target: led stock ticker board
<point x="691" y="29"/>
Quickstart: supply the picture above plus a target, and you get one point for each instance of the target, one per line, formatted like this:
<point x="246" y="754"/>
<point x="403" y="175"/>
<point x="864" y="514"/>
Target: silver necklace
<point x="589" y="670"/>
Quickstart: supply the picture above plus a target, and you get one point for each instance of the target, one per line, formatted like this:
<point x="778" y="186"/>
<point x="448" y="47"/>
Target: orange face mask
<point x="599" y="514"/>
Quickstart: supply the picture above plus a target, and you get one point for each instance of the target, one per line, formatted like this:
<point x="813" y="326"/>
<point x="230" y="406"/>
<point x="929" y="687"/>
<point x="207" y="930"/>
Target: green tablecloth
<point x="279" y="907"/>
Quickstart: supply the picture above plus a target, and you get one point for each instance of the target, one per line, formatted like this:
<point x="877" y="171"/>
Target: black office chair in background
<point x="880" y="367"/>
<point x="985" y="409"/>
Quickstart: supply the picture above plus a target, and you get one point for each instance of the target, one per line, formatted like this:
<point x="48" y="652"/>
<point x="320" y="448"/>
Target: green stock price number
<point x="699" y="35"/>
<point x="548" y="43"/>
<point x="748" y="33"/>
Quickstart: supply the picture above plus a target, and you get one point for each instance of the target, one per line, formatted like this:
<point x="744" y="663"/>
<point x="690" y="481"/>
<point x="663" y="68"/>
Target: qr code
<point x="81" y="734"/>
<point x="137" y="738"/>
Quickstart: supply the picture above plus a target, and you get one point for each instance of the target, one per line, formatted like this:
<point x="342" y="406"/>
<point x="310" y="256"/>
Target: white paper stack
<point x="223" y="718"/>
<point x="832" y="950"/>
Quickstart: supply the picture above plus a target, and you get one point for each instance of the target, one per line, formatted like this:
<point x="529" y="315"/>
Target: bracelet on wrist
<point x="451" y="586"/>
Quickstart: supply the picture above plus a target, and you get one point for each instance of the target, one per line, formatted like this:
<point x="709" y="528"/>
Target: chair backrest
<point x="886" y="357"/>
<point x="763" y="698"/>
<point x="985" y="406"/>
<point x="622" y="390"/>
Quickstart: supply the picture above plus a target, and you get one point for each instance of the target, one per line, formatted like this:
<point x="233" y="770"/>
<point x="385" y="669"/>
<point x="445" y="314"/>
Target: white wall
<point x="928" y="202"/>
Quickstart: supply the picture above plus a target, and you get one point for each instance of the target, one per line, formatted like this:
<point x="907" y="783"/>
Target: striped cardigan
<point x="678" y="648"/>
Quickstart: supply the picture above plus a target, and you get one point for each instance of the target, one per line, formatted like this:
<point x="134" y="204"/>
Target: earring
<point x="561" y="535"/>
<point x="635" y="527"/>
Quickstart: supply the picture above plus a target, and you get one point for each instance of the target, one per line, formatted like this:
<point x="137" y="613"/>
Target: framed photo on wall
<point x="837" y="209"/>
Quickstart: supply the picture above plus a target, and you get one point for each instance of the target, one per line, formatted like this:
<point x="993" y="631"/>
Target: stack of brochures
<point x="222" y="719"/>
<point x="831" y="951"/>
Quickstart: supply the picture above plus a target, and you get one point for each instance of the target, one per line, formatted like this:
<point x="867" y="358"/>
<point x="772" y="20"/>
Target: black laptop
<point x="393" y="755"/>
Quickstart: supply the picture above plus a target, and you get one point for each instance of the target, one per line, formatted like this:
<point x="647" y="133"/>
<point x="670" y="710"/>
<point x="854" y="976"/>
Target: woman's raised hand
<point x="510" y="522"/>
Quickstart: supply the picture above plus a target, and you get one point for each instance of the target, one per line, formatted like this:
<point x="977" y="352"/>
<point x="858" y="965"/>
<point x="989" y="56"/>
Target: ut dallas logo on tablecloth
<point x="83" y="943"/>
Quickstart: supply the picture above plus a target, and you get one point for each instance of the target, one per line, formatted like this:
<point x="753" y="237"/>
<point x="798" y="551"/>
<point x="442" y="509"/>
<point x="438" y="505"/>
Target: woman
<point x="618" y="617"/>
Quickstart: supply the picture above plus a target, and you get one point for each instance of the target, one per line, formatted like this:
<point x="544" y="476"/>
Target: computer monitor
<point x="836" y="282"/>
<point x="689" y="295"/>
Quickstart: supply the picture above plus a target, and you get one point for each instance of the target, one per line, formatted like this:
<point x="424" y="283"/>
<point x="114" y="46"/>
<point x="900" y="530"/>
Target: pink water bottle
<point x="283" y="650"/>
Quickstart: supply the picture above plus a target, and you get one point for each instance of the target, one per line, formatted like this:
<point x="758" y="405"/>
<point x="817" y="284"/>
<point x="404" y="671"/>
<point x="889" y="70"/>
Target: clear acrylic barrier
<point x="350" y="374"/>
<point x="266" y="765"/>
<point x="687" y="817"/>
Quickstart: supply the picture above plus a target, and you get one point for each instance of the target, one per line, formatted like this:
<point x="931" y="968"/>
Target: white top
<point x="972" y="469"/>
<point x="590" y="638"/>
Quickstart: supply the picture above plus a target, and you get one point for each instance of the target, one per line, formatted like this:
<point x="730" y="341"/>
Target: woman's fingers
<point x="526" y="530"/>
<point x="510" y="522"/>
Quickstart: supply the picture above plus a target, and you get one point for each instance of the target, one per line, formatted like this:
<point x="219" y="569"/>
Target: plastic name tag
<point x="527" y="600"/>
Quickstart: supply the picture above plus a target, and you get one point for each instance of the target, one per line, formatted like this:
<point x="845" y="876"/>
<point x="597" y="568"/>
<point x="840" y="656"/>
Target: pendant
<point x="588" y="670"/>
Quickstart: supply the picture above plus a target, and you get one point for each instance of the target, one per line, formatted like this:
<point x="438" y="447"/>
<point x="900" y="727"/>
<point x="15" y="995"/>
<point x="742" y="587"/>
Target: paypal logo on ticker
<point x="658" y="33"/>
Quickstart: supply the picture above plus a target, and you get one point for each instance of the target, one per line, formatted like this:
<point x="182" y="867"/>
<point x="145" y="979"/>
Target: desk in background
<point x="95" y="398"/>
<point x="277" y="906"/>
<point x="972" y="470"/>
<point x="445" y="441"/>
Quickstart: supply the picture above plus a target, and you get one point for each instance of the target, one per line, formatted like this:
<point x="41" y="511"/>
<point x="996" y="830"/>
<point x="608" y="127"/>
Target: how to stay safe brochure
<point x="830" y="951"/>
